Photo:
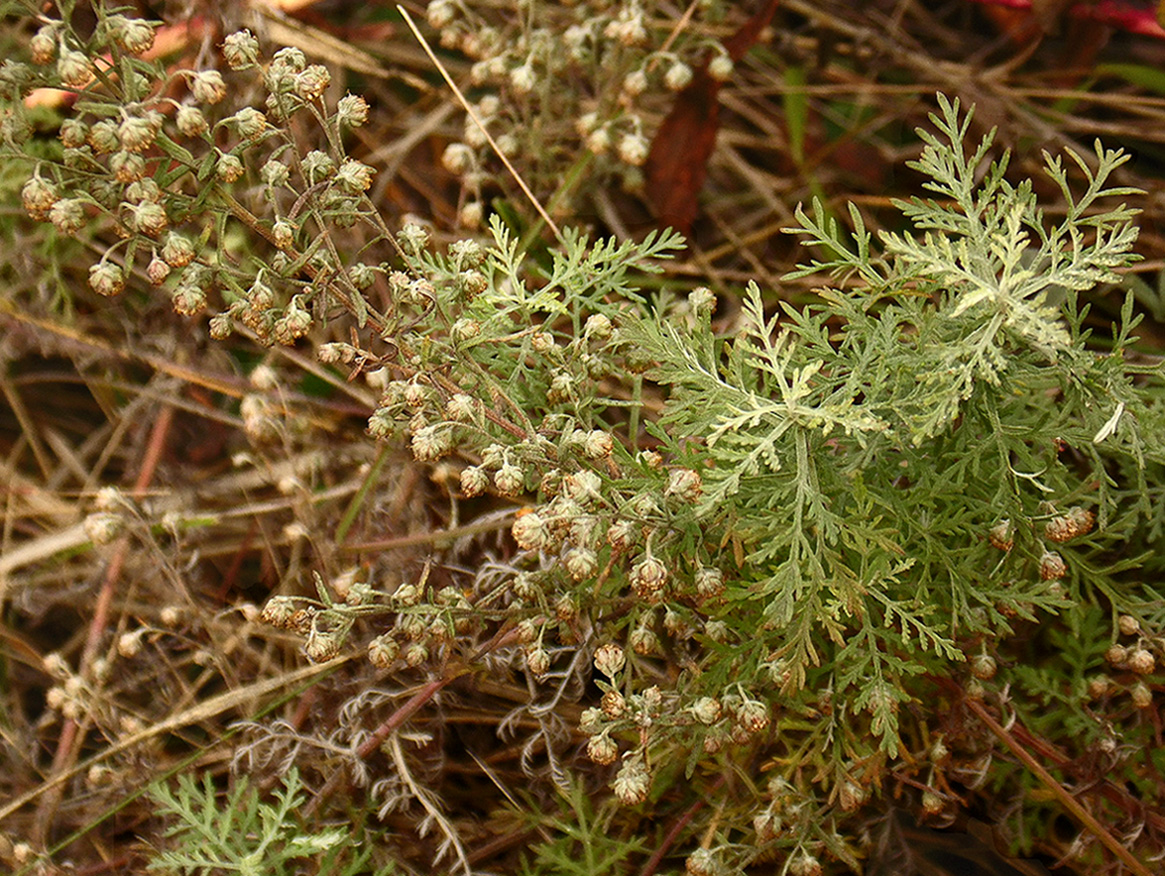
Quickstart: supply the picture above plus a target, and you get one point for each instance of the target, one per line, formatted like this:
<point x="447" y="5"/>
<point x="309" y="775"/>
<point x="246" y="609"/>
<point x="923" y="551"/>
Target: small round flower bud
<point x="851" y="796"/>
<point x="599" y="140"/>
<point x="523" y="79"/>
<point x="1082" y="519"/>
<point x="157" y="270"/>
<point x="321" y="646"/>
<point x="678" y="76"/>
<point x="177" y="250"/>
<point x="633" y="149"/>
<point x="191" y="122"/>
<point x="188" y="300"/>
<point x="383" y="651"/>
<point x="228" y="168"/>
<point x="352" y="111"/>
<point x="207" y="86"/>
<point x="74" y="133"/>
<point x="1001" y="536"/>
<point x="509" y="480"/>
<point x="38" y="198"/>
<point x="622" y="535"/>
<point x="753" y="716"/>
<point x="1052" y="566"/>
<point x="805" y="865"/>
<point x="106" y="278"/>
<point x="1099" y="687"/>
<point x="68" y="215"/>
<point x="648" y="578"/>
<point x="530" y="531"/>
<point x="635" y="83"/>
<point x="148" y="218"/>
<point x="470" y="215"/>
<point x="983" y="666"/>
<point x="474" y="481"/>
<point x="354" y="177"/>
<point x="127" y="167"/>
<point x="103" y="137"/>
<point x="598" y="444"/>
<point x="457" y="158"/>
<point x="706" y="710"/>
<point x="241" y="50"/>
<point x="278" y="612"/>
<point x="685" y="485"/>
<point x="632" y="781"/>
<point x="74" y="68"/>
<point x="294" y="324"/>
<point x="1129" y="625"/>
<point x="283" y="234"/>
<point x="581" y="563"/>
<point x="432" y="442"/>
<point x="609" y="659"/>
<point x="537" y="661"/>
<point x="613" y="704"/>
<point x="440" y="13"/>
<point x="1117" y="655"/>
<point x="136" y="134"/>
<point x="643" y="641"/>
<point x="43" y="45"/>
<point x="251" y="123"/>
<point x="102" y="527"/>
<point x="582" y="486"/>
<point x="542" y="342"/>
<point x="1142" y="695"/>
<point x="602" y="749"/>
<point x="1141" y="661"/>
<point x="720" y="68"/>
<point x="312" y="82"/>
<point x="709" y="583"/>
<point x="129" y="645"/>
<point x="134" y="35"/>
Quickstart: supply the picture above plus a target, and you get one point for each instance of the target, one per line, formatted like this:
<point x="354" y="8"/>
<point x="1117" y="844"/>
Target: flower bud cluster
<point x="541" y="60"/>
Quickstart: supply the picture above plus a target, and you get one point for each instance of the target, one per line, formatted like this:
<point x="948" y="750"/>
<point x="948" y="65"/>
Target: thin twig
<point x="1069" y="802"/>
<point x="477" y="121"/>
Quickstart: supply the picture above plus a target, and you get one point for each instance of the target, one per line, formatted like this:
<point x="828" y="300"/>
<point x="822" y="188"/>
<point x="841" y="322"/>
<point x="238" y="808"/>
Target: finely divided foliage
<point x="777" y="540"/>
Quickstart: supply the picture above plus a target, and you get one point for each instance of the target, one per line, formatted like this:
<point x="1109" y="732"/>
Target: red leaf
<point x="678" y="161"/>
